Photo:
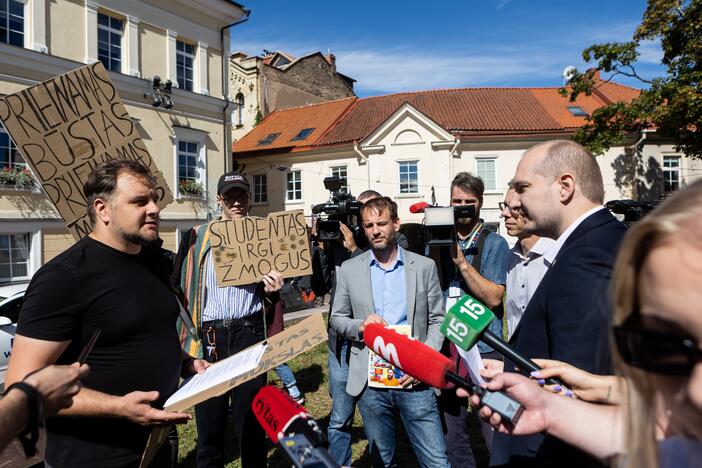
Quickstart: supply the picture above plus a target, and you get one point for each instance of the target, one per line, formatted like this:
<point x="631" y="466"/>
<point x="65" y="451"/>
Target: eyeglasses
<point x="504" y="206"/>
<point x="229" y="199"/>
<point x="655" y="351"/>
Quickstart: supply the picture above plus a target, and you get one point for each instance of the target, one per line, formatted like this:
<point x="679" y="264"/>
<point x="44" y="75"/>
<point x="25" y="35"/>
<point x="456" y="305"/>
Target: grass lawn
<point x="312" y="377"/>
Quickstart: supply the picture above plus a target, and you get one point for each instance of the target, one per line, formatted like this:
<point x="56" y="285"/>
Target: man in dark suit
<point x="558" y="191"/>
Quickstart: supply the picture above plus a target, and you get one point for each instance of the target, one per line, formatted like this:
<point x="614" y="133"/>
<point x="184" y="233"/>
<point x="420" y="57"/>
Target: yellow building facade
<point x="185" y="124"/>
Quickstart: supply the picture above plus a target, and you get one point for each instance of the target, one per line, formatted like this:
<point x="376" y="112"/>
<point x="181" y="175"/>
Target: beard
<point x="384" y="247"/>
<point x="548" y="225"/>
<point x="139" y="239"/>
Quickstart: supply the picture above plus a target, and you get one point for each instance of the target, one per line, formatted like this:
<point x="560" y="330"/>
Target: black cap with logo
<point x="232" y="180"/>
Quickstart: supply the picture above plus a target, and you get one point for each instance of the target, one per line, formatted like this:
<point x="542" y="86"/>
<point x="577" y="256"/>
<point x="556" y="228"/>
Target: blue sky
<point x="393" y="46"/>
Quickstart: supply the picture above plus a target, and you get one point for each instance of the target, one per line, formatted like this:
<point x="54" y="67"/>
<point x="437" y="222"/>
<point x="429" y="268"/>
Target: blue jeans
<point x="343" y="406"/>
<point x="420" y="416"/>
<point x="288" y="378"/>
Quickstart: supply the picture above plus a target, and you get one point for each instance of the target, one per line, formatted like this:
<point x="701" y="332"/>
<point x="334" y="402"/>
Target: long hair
<point x="671" y="219"/>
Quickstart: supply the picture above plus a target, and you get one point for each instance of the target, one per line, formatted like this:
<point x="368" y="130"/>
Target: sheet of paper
<point x="474" y="363"/>
<point x="220" y="372"/>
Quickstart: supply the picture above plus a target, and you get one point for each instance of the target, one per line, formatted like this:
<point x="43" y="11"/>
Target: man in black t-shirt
<point x="109" y="281"/>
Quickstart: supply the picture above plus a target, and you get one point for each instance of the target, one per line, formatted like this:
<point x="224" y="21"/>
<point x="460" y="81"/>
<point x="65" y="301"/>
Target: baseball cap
<point x="232" y="180"/>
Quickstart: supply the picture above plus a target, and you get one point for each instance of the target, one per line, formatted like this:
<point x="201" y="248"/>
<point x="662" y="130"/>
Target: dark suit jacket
<point x="568" y="319"/>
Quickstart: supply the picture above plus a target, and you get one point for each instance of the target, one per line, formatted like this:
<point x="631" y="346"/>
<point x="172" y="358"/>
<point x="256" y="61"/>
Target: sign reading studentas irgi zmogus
<point x="245" y="249"/>
<point x="66" y="126"/>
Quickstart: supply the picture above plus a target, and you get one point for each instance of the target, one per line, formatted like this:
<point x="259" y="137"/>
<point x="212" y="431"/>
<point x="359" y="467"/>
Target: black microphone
<point x="467" y="322"/>
<point x="316" y="209"/>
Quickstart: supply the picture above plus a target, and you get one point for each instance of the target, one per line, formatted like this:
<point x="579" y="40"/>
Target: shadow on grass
<point x="309" y="378"/>
<point x="231" y="448"/>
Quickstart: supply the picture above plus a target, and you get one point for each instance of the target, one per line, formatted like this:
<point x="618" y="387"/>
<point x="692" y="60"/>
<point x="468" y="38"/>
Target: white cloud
<point x="651" y="52"/>
<point x="397" y="69"/>
<point x="401" y="70"/>
<point x="502" y="3"/>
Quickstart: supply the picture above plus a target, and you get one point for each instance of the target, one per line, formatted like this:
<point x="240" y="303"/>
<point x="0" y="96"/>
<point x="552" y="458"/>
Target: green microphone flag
<point x="465" y="322"/>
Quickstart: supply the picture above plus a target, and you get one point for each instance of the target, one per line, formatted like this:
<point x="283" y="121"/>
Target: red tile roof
<point x="465" y="112"/>
<point x="454" y="109"/>
<point x="289" y="122"/>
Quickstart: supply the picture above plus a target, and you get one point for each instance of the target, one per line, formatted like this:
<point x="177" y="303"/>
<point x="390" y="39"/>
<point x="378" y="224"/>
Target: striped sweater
<point x="190" y="265"/>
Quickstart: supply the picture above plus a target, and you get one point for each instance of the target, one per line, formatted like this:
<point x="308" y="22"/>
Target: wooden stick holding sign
<point x="245" y="249"/>
<point x="66" y="126"/>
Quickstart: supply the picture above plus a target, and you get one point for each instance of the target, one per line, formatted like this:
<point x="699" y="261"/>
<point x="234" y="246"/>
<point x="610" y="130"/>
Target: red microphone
<point x="275" y="411"/>
<point x="412" y="356"/>
<point x="419" y="207"/>
<point x="431" y="367"/>
<point x="290" y="426"/>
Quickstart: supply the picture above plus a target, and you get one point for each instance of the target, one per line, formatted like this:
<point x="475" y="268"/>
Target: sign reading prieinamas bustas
<point x="245" y="249"/>
<point x="66" y="126"/>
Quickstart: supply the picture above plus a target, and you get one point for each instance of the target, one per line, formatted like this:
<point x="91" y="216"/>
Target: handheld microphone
<point x="419" y="207"/>
<point x="466" y="323"/>
<point x="290" y="426"/>
<point x="431" y="367"/>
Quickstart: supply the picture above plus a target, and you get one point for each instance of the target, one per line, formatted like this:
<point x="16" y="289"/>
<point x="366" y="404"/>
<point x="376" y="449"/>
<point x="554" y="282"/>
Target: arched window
<point x="239" y="109"/>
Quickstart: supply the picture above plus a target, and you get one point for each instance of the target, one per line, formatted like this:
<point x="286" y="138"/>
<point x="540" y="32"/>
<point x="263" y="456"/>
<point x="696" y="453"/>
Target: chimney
<point x="331" y="58"/>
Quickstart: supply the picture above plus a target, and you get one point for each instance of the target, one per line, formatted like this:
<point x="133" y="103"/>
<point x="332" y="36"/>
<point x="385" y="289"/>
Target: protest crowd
<point x="593" y="357"/>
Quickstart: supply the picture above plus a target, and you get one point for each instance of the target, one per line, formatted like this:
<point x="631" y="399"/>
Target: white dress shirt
<point x="524" y="273"/>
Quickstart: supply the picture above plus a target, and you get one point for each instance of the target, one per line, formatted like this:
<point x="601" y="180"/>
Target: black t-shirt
<point x="129" y="298"/>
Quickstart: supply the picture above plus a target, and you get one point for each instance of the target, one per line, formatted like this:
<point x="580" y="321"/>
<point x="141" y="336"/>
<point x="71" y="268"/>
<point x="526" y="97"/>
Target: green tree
<point x="671" y="103"/>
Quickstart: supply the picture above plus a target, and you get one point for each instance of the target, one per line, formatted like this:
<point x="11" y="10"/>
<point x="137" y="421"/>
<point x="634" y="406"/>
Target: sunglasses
<point x="657" y="351"/>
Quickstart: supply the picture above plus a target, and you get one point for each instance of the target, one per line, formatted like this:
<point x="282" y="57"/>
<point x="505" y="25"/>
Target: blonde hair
<point x="670" y="220"/>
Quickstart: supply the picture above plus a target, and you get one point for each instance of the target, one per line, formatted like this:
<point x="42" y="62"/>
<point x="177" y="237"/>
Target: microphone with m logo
<point x="386" y="351"/>
<point x="431" y="367"/>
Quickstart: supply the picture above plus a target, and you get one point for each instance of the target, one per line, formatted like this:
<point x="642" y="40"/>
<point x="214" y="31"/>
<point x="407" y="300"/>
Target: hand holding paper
<point x="136" y="407"/>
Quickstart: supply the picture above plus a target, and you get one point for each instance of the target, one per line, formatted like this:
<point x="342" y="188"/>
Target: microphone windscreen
<point x="316" y="209"/>
<point x="413" y="357"/>
<point x="275" y="410"/>
<point x="419" y="207"/>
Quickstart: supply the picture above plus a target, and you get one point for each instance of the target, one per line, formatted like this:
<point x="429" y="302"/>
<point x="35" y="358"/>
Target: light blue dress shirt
<point x="389" y="288"/>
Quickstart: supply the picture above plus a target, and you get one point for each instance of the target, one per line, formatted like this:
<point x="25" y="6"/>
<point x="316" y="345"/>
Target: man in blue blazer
<point x="558" y="191"/>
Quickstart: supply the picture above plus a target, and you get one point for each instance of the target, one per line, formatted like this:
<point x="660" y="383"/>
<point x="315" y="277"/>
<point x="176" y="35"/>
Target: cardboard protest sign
<point x="247" y="248"/>
<point x="66" y="126"/>
<point x="280" y="348"/>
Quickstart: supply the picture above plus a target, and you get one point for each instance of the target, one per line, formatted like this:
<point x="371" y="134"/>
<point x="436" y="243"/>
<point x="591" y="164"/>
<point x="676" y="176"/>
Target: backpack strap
<point x="477" y="261"/>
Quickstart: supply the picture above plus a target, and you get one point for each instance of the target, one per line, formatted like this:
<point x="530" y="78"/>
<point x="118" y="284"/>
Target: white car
<point x="9" y="312"/>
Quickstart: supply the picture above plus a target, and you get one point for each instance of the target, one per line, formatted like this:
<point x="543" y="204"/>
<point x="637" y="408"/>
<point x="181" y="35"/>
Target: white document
<point x="219" y="372"/>
<point x="475" y="364"/>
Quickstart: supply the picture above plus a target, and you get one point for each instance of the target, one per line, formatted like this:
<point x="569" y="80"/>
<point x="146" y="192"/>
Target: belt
<point x="249" y="321"/>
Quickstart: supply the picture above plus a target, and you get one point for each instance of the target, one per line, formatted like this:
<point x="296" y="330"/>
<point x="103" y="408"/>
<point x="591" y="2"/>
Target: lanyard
<point x="466" y="245"/>
<point x="472" y="239"/>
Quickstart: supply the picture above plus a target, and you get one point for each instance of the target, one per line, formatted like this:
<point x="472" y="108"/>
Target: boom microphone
<point x="419" y="207"/>
<point x="431" y="367"/>
<point x="290" y="426"/>
<point x="467" y="322"/>
<point x="316" y="209"/>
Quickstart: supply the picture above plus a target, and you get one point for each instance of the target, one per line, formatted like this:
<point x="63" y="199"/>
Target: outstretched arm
<point x="54" y="385"/>
<point x="30" y="354"/>
<point x="596" y="429"/>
